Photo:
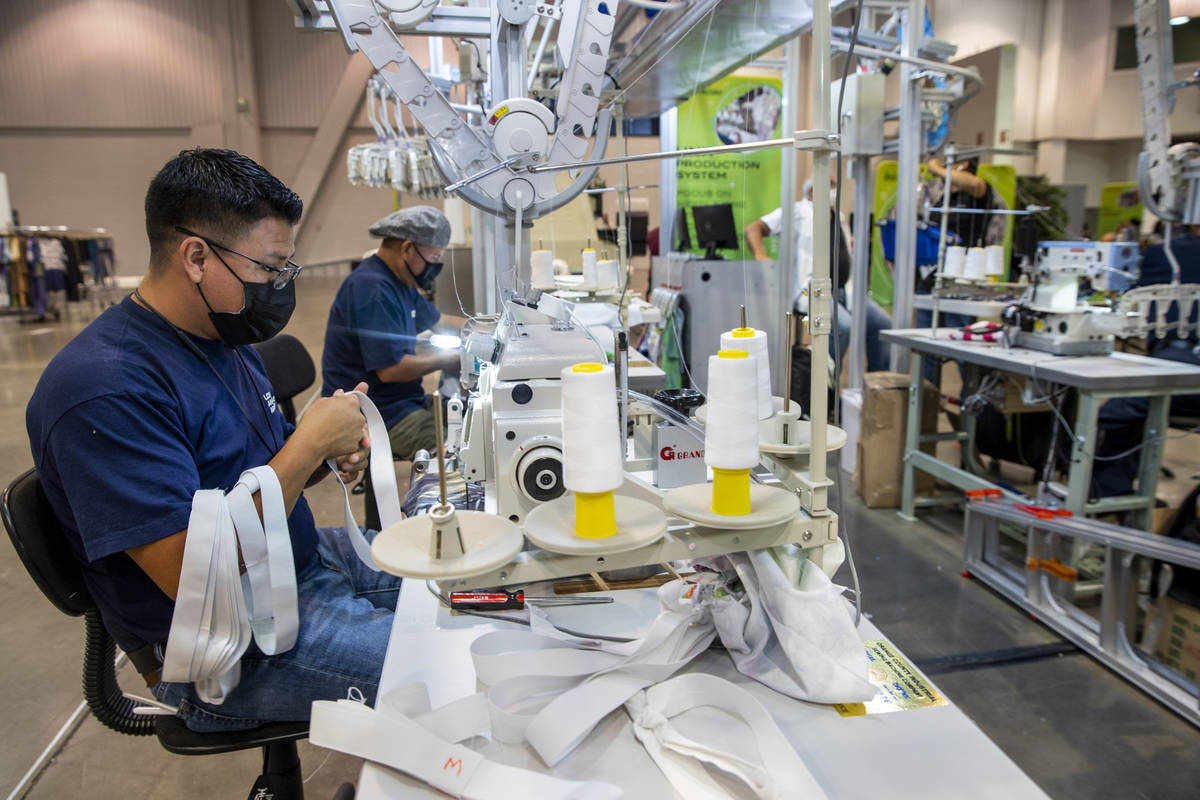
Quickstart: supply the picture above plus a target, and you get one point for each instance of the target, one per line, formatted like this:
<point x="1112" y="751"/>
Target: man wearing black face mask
<point x="376" y="317"/>
<point x="161" y="397"/>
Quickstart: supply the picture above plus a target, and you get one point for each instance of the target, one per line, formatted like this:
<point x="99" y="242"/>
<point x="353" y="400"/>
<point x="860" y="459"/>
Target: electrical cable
<point x="1054" y="401"/>
<point x="837" y="371"/>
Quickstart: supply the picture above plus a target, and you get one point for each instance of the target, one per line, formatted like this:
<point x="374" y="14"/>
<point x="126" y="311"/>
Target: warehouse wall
<point x="96" y="96"/>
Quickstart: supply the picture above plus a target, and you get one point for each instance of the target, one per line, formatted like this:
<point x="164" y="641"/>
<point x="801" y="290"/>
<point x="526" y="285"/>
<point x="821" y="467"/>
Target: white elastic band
<point x="210" y="627"/>
<point x="393" y="740"/>
<point x="383" y="479"/>
<point x="553" y="692"/>
<point x="270" y="577"/>
<point x="777" y="773"/>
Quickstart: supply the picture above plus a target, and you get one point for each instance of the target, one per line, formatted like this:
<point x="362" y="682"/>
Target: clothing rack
<point x="43" y="268"/>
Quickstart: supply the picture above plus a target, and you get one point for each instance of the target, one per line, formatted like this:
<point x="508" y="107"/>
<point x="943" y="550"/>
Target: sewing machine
<point x="1051" y="318"/>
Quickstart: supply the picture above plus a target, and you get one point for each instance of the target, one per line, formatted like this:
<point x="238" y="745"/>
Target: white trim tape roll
<point x="592" y="459"/>
<point x="731" y="427"/>
<point x="541" y="269"/>
<point x="956" y="261"/>
<point x="756" y="347"/>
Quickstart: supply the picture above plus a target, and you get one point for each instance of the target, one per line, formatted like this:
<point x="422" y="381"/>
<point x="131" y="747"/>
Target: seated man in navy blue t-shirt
<point x="162" y="396"/>
<point x="1123" y="419"/>
<point x="376" y="317"/>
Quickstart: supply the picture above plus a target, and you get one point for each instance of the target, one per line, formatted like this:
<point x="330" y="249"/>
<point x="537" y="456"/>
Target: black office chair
<point x="43" y="549"/>
<point x="290" y="369"/>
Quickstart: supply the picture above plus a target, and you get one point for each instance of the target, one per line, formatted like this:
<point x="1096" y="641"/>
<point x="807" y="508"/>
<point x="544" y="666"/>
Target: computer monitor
<point x="715" y="229"/>
<point x="639" y="227"/>
<point x="682" y="237"/>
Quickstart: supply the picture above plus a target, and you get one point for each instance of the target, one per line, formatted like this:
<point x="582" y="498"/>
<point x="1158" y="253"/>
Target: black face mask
<point x="427" y="278"/>
<point x="265" y="310"/>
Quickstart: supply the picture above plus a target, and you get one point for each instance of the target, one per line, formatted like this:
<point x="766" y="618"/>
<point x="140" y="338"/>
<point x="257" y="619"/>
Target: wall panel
<point x="110" y="63"/>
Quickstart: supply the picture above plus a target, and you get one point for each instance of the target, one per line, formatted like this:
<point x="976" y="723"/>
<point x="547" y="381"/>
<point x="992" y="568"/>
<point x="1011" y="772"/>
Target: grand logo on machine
<point x="669" y="453"/>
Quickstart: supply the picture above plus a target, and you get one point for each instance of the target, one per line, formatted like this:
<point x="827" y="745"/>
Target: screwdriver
<point x="504" y="601"/>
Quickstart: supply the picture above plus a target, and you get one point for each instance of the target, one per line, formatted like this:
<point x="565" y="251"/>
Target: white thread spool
<point x="541" y="269"/>
<point x="754" y="342"/>
<point x="976" y="264"/>
<point x="608" y="273"/>
<point x="956" y="259"/>
<point x="731" y="427"/>
<point x="590" y="267"/>
<point x="995" y="260"/>
<point x="592" y="460"/>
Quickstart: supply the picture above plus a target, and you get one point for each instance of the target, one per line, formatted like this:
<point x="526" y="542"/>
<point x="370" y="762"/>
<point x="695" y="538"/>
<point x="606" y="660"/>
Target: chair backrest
<point x="290" y="369"/>
<point x="42" y="545"/>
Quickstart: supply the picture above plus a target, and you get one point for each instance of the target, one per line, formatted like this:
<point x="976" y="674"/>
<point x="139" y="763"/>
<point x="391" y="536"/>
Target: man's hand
<point x="333" y="427"/>
<point x="353" y="463"/>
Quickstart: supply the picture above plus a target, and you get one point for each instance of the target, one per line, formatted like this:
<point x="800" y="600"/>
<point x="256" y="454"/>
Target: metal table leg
<point x="1151" y="459"/>
<point x="1083" y="450"/>
<point x="912" y="435"/>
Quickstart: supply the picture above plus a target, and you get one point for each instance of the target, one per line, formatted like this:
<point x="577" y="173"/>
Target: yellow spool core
<point x="596" y="516"/>
<point x="743" y="333"/>
<point x="588" y="366"/>
<point x="731" y="492"/>
<point x="732" y="354"/>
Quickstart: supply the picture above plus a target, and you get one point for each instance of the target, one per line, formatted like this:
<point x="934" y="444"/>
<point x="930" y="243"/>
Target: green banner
<point x="1120" y="204"/>
<point x="1001" y="177"/>
<point x="732" y="110"/>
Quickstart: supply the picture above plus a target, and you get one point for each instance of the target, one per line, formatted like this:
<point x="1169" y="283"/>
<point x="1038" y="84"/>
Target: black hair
<point x="218" y="193"/>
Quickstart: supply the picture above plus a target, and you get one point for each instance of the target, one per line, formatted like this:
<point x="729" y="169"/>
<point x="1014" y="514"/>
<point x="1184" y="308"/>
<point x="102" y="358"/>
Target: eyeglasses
<point x="283" y="275"/>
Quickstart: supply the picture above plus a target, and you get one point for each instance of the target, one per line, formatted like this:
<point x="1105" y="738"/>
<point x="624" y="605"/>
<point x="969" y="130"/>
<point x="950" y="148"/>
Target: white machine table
<point x="1096" y="378"/>
<point x="933" y="752"/>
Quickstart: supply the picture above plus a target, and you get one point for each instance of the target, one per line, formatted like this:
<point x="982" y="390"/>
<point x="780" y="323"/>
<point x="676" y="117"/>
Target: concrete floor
<point x="1074" y="727"/>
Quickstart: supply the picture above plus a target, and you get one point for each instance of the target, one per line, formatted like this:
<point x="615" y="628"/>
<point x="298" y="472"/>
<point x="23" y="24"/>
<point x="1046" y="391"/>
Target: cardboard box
<point x="851" y="415"/>
<point x="1179" y="637"/>
<point x="882" y="429"/>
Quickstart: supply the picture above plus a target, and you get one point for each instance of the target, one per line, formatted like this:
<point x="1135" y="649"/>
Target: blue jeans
<point x="877" y="320"/>
<point x="346" y="615"/>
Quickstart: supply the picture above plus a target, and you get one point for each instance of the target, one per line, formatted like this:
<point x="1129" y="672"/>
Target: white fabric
<point x="390" y="738"/>
<point x="681" y="746"/>
<point x="553" y="692"/>
<point x="800" y="641"/>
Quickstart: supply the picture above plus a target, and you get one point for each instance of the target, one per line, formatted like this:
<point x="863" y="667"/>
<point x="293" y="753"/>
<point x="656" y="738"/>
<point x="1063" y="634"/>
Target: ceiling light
<point x="1179" y="20"/>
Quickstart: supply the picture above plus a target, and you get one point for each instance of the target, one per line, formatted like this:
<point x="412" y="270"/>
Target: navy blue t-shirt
<point x="126" y="424"/>
<point x="1156" y="269"/>
<point x="374" y="323"/>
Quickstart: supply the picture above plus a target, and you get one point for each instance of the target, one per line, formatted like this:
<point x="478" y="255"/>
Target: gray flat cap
<point x="420" y="224"/>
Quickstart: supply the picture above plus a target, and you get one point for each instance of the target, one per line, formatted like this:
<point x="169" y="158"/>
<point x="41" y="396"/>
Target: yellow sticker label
<point x="899" y="686"/>
<point x="1038" y="325"/>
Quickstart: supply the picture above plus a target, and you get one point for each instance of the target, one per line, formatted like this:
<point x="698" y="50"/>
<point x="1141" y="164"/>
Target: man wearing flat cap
<point x="375" y="319"/>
